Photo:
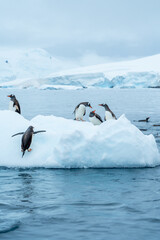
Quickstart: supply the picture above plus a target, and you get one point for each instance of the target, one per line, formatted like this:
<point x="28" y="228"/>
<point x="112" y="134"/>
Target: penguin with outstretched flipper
<point x="27" y="138"/>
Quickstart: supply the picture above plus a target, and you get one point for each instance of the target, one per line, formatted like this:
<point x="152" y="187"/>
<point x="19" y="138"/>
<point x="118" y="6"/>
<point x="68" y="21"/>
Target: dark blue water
<point x="82" y="203"/>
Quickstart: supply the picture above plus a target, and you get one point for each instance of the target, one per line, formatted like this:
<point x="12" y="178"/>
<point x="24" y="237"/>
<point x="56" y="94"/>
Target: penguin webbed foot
<point x="79" y="119"/>
<point x="29" y="150"/>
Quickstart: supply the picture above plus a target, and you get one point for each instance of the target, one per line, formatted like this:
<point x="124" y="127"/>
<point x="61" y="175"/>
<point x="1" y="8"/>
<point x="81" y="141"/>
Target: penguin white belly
<point x="11" y="107"/>
<point x="108" y="115"/>
<point x="95" y="120"/>
<point x="80" y="112"/>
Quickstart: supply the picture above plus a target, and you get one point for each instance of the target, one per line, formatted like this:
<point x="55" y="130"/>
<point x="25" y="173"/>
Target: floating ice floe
<point x="73" y="144"/>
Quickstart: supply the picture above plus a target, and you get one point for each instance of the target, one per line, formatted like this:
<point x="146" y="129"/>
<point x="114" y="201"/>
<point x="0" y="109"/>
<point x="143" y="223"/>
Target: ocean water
<point x="87" y="204"/>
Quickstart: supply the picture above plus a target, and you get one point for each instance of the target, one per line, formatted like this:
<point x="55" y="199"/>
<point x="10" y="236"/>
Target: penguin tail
<point x="23" y="154"/>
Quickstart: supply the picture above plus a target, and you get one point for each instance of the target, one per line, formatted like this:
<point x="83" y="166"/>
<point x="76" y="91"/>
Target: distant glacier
<point x="35" y="68"/>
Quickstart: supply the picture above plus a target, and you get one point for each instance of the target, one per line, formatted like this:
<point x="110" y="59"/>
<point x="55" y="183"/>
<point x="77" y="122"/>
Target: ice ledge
<point x="80" y="81"/>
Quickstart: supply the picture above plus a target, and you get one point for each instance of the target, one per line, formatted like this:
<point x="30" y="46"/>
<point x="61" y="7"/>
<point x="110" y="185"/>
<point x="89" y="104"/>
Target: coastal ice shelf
<point x="36" y="68"/>
<point x="73" y="144"/>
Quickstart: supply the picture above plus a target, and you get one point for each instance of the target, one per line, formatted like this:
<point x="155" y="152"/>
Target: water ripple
<point x="4" y="228"/>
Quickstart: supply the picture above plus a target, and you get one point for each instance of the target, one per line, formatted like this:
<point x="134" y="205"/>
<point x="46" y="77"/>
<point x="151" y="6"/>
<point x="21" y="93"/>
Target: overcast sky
<point x="104" y="29"/>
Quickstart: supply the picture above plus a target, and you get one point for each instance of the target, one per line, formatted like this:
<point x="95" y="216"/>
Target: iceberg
<point x="73" y="144"/>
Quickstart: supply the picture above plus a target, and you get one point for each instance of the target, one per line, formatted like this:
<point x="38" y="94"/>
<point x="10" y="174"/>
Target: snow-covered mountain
<point x="37" y="68"/>
<point x="29" y="63"/>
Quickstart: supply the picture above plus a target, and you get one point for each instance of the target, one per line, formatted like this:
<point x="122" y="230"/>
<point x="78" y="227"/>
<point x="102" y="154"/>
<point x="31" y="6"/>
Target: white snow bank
<point x="73" y="144"/>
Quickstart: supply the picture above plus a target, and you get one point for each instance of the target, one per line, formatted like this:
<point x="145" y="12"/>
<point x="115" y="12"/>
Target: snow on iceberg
<point x="72" y="144"/>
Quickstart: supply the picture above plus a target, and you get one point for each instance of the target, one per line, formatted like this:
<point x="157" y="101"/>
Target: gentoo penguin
<point x="144" y="120"/>
<point x="95" y="118"/>
<point x="108" y="113"/>
<point x="80" y="110"/>
<point x="14" y="104"/>
<point x="27" y="139"/>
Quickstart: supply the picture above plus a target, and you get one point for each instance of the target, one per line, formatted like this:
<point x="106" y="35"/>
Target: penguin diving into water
<point x="27" y="138"/>
<point x="95" y="118"/>
<point x="14" y="104"/>
<point x="80" y="110"/>
<point x="108" y="113"/>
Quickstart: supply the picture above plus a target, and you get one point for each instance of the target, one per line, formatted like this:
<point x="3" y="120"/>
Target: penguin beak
<point x="9" y="96"/>
<point x="90" y="107"/>
<point x="100" y="104"/>
<point x="94" y="111"/>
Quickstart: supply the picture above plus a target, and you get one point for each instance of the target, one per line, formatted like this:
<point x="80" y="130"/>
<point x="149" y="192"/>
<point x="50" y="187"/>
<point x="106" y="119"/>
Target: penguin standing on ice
<point x="108" y="113"/>
<point x="95" y="118"/>
<point x="14" y="104"/>
<point x="80" y="110"/>
<point x="27" y="139"/>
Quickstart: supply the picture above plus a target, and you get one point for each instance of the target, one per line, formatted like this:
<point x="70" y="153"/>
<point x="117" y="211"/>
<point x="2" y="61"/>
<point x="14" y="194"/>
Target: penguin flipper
<point x="76" y="108"/>
<point x="100" y="119"/>
<point x="17" y="106"/>
<point x="39" y="131"/>
<point x="113" y="115"/>
<point x="17" y="134"/>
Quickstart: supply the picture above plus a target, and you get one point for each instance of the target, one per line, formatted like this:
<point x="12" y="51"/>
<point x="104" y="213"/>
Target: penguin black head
<point x="104" y="105"/>
<point x="87" y="104"/>
<point x="30" y="128"/>
<point x="92" y="114"/>
<point x="12" y="97"/>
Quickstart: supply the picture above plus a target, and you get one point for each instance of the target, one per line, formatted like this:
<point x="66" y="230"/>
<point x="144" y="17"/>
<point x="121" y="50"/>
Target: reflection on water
<point x="27" y="187"/>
